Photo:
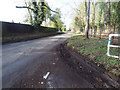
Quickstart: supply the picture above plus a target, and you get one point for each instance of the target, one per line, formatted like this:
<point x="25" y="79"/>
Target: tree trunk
<point x="109" y="12"/>
<point x="114" y="27"/>
<point x="100" y="20"/>
<point x="88" y="15"/>
<point x="86" y="9"/>
<point x="94" y="32"/>
<point x="94" y="22"/>
<point x="91" y="32"/>
<point x="100" y="34"/>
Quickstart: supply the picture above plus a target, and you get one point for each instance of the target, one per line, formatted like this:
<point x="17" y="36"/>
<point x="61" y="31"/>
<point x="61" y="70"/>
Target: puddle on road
<point x="50" y="83"/>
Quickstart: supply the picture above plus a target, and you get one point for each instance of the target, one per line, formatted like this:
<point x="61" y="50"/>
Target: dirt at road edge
<point x="86" y="69"/>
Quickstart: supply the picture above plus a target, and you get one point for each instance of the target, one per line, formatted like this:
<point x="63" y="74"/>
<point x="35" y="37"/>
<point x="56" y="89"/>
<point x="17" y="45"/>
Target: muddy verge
<point x="94" y="75"/>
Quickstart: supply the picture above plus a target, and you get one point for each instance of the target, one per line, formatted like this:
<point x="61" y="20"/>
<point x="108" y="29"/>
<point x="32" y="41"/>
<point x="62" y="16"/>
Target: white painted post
<point x="108" y="47"/>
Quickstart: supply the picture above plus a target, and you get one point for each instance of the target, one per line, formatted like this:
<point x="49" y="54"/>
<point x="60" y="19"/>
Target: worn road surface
<point x="20" y="60"/>
<point x="41" y="63"/>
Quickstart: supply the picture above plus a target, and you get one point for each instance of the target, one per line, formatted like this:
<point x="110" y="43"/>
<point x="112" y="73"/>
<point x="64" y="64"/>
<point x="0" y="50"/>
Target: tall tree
<point x="94" y="5"/>
<point x="38" y="11"/>
<point x="100" y="23"/>
<point x="115" y="13"/>
<point x="56" y="18"/>
<point x="80" y="18"/>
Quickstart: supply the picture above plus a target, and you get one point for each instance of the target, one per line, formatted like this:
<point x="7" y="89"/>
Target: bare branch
<point x="24" y="7"/>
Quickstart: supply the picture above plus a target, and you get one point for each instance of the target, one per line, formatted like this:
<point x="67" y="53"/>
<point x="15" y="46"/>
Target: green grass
<point x="24" y="37"/>
<point x="95" y="49"/>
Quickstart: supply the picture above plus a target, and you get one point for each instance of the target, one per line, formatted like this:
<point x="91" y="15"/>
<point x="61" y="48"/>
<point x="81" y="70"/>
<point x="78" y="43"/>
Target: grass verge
<point x="95" y="49"/>
<point x="24" y="37"/>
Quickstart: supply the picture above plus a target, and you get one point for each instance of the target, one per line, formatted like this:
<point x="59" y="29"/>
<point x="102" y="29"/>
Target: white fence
<point x="108" y="47"/>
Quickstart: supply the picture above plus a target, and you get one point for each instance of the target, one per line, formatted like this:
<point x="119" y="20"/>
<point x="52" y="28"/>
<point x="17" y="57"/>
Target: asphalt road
<point x="20" y="60"/>
<point x="45" y="63"/>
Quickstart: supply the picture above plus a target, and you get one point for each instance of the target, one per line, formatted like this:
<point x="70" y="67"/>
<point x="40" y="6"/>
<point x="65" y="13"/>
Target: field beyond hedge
<point x="95" y="49"/>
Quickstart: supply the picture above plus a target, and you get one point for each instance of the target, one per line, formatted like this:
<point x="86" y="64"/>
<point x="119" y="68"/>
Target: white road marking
<point x="45" y="76"/>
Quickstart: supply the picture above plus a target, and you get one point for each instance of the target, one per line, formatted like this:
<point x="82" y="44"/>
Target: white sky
<point x="9" y="12"/>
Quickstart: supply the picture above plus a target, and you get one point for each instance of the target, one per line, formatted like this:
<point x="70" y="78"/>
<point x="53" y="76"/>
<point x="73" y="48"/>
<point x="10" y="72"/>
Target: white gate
<point x="108" y="47"/>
